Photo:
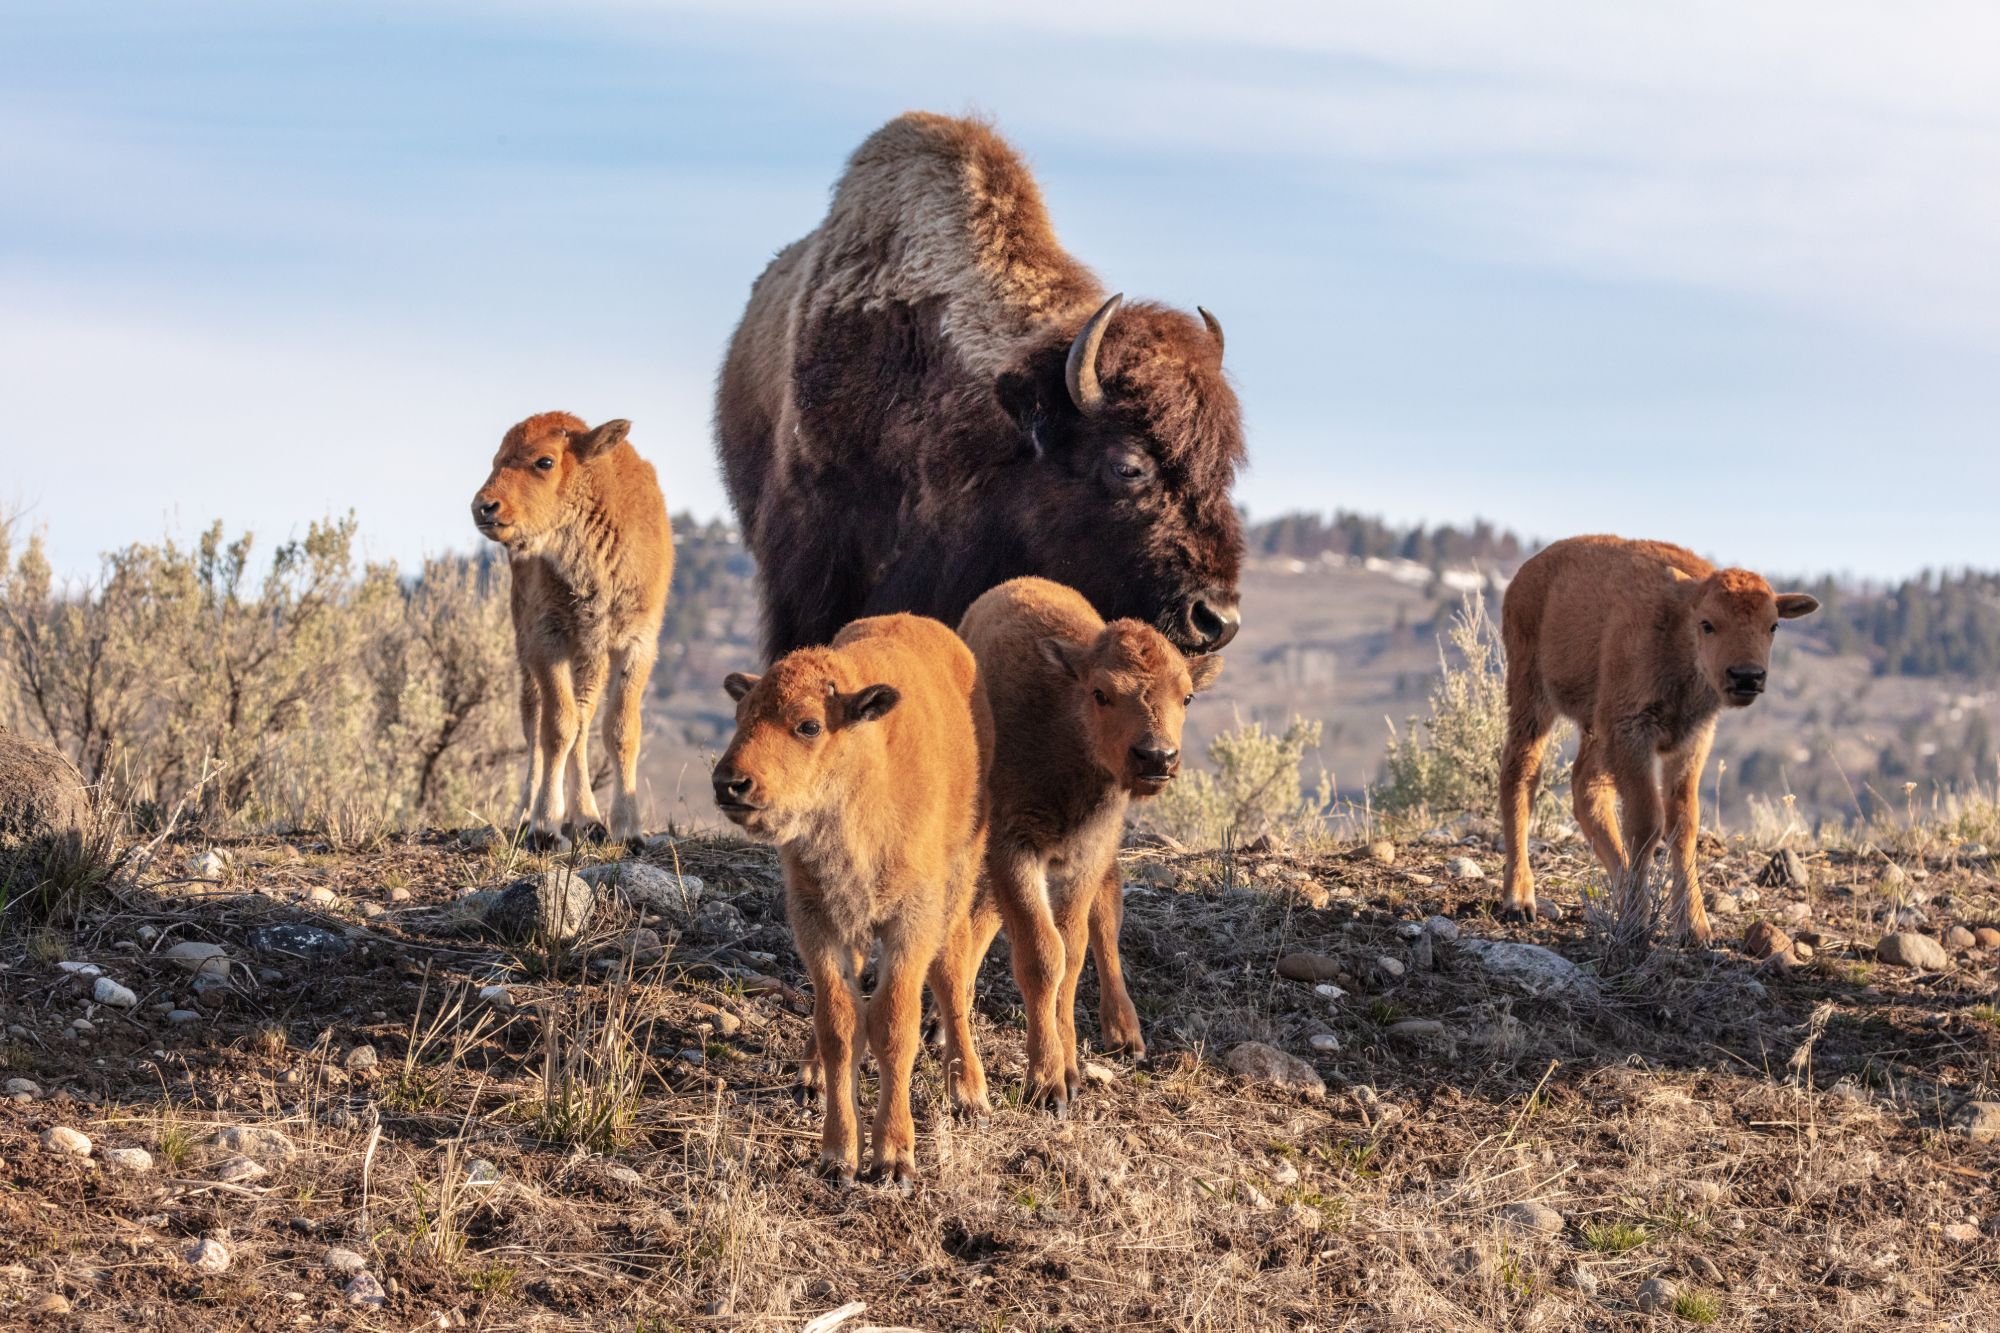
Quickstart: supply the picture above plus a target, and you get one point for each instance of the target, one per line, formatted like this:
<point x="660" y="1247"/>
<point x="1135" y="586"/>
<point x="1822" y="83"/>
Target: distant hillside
<point x="1343" y="619"/>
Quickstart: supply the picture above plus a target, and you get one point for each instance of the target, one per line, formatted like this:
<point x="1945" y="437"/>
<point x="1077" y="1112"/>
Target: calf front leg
<point x="953" y="976"/>
<point x="1117" y="1019"/>
<point x="556" y="693"/>
<point x="1021" y="887"/>
<point x="836" y="1042"/>
<point x="1631" y="761"/>
<point x="1683" y="785"/>
<point x="590" y="672"/>
<point x="531" y="733"/>
<point x="631" y="668"/>
<point x="895" y="1030"/>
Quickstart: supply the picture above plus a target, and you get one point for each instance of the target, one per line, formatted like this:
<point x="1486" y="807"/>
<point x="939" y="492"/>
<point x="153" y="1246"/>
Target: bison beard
<point x="899" y="433"/>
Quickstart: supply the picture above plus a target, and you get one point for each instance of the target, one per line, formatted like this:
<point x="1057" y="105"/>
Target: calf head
<point x="1731" y="616"/>
<point x="1133" y="689"/>
<point x="1135" y="438"/>
<point x="526" y="497"/>
<point x="798" y="734"/>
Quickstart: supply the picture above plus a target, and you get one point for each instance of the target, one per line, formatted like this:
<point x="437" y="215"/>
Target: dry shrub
<point x="1449" y="762"/>
<point x="1255" y="789"/>
<point x="324" y="694"/>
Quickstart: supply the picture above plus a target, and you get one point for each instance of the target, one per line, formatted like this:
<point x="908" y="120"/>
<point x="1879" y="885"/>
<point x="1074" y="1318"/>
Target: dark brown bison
<point x="927" y="397"/>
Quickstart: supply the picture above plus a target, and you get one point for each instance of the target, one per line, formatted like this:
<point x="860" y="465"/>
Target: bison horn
<point x="1081" y="371"/>
<point x="1214" y="325"/>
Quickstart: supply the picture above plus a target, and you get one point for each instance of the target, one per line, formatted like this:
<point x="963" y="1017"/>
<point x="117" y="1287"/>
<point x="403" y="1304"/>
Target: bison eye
<point x="544" y="463"/>
<point x="1130" y="469"/>
<point x="1098" y="695"/>
<point x="1707" y="628"/>
<point x="808" y="728"/>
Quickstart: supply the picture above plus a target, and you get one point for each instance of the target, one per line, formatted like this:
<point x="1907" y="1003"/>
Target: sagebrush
<point x="1255" y="788"/>
<point x="324" y="693"/>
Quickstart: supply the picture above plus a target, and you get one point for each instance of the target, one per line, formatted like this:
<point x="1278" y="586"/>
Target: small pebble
<point x="63" y="1139"/>
<point x="207" y="1256"/>
<point x="1655" y="1294"/>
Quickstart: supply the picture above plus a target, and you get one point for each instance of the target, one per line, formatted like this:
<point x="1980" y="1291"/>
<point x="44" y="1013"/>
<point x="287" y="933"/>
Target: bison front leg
<point x="1117" y="1019"/>
<point x="895" y="1031"/>
<point x="631" y="668"/>
<point x="590" y="671"/>
<point x="837" y="1043"/>
<point x="1683" y="784"/>
<point x="555" y="739"/>
<point x="1020" y="885"/>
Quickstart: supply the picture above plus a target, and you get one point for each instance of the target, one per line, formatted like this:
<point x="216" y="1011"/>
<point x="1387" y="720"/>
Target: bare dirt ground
<point x="1778" y="1145"/>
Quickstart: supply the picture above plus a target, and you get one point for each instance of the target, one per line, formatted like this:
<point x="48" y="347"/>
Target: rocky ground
<point x="275" y="1085"/>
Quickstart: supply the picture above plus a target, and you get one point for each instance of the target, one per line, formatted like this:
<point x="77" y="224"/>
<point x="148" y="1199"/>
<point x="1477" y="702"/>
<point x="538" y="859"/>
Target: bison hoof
<point x="1053" y="1098"/>
<point x="1517" y="912"/>
<point x="594" y="833"/>
<point x="837" y="1172"/>
<point x="541" y="841"/>
<point x="898" y="1176"/>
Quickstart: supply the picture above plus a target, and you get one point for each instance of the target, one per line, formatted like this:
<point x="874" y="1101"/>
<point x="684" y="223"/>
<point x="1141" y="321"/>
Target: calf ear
<point x="1204" y="669"/>
<point x="869" y="703"/>
<point x="1064" y="656"/>
<point x="736" y="685"/>
<point x="602" y="440"/>
<point x="1792" y="605"/>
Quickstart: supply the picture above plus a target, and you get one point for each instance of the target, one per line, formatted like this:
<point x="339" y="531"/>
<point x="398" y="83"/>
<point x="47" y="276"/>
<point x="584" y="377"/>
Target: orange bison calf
<point x="585" y="528"/>
<point x="1640" y="644"/>
<point x="1086" y="716"/>
<point x="866" y="763"/>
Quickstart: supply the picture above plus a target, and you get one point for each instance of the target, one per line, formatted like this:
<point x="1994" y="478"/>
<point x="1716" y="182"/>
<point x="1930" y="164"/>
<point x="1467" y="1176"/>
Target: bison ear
<point x="600" y="441"/>
<point x="736" y="685"/>
<point x="1204" y="669"/>
<point x="1064" y="656"/>
<point x="1792" y="605"/>
<point x="869" y="702"/>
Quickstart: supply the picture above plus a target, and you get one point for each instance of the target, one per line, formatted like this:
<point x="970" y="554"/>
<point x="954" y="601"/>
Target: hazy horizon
<point x="1721" y="277"/>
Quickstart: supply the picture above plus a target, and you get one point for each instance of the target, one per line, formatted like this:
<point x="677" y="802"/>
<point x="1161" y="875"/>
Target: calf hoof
<point x="837" y="1172"/>
<point x="1132" y="1045"/>
<point x="899" y="1176"/>
<point x="635" y="845"/>
<point x="594" y="833"/>
<point x="540" y="841"/>
<point x="1518" y="911"/>
<point x="1053" y="1098"/>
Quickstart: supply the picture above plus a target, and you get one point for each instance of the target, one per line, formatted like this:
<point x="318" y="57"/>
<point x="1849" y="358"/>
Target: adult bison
<point x="928" y="396"/>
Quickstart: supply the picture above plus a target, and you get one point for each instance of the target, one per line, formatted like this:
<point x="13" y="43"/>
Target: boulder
<point x="1906" y="948"/>
<point x="43" y="802"/>
<point x="1528" y="968"/>
<point x="1785" y="870"/>
<point x="1258" y="1063"/>
<point x="292" y="939"/>
<point x="646" y="886"/>
<point x="554" y="906"/>
<point x="1978" y="1121"/>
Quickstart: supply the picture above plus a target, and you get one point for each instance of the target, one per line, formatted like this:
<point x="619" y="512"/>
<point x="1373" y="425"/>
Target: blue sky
<point x="1728" y="275"/>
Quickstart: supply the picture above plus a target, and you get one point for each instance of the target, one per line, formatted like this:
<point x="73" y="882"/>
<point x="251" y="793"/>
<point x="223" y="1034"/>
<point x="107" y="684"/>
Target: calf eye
<point x="1098" y="695"/>
<point x="544" y="463"/>
<point x="808" y="728"/>
<point x="1707" y="628"/>
<point x="1187" y="701"/>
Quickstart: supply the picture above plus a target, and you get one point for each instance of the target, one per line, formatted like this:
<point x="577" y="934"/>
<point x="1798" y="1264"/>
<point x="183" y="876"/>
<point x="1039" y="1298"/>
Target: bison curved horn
<point x="1214" y="325"/>
<point x="1081" y="371"/>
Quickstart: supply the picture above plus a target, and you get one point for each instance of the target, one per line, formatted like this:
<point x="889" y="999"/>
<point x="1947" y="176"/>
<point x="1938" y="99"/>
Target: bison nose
<point x="1214" y="620"/>
<point x="485" y="509"/>
<point x="731" y="788"/>
<point x="1154" y="762"/>
<point x="1746" y="680"/>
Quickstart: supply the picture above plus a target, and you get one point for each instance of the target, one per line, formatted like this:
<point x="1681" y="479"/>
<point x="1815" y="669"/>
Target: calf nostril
<point x="1155" y="760"/>
<point x="488" y="508"/>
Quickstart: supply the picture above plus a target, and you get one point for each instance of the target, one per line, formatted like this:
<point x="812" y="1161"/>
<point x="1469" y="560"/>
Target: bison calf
<point x="1640" y="644"/>
<point x="866" y="763"/>
<point x="585" y="528"/>
<point x="1086" y="716"/>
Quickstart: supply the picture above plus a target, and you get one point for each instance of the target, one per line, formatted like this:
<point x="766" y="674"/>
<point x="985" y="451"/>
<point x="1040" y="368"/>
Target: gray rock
<point x="1465" y="868"/>
<point x="1259" y="1063"/>
<point x="24" y="1088"/>
<point x="553" y="906"/>
<point x="1528" y="968"/>
<point x="498" y="996"/>
<point x="239" y="1171"/>
<point x="1905" y="948"/>
<point x="481" y="1172"/>
<point x="258" y="1142"/>
<point x="107" y="991"/>
<point x="182" y="1017"/>
<point x="1416" y="1029"/>
<point x="1535" y="1219"/>
<point x="344" y="1262"/>
<point x="207" y="1256"/>
<point x="1442" y="929"/>
<point x="1979" y="1121"/>
<point x="294" y="939"/>
<point x="1958" y="939"/>
<point x="200" y="957"/>
<point x="1656" y="1295"/>
<point x="1382" y="853"/>
<point x="134" y="1160"/>
<point x="364" y="1290"/>
<point x="1391" y="968"/>
<point x="1785" y="870"/>
<point x="646" y="886"/>
<point x="69" y="1142"/>
<point x="359" y="1059"/>
<point x="1324" y="1042"/>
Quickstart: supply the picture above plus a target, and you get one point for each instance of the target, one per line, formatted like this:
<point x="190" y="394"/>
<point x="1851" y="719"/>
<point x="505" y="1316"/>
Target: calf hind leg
<point x="631" y="668"/>
<point x="1528" y="724"/>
